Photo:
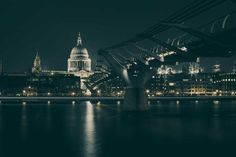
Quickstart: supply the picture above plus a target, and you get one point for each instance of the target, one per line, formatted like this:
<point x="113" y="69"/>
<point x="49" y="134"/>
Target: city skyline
<point x="206" y="63"/>
<point x="117" y="78"/>
<point x="51" y="29"/>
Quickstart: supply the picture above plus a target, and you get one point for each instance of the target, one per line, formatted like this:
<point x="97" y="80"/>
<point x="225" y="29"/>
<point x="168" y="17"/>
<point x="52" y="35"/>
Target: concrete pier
<point x="135" y="99"/>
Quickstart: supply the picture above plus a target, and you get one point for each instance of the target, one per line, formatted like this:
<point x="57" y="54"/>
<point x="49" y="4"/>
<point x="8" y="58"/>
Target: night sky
<point x="51" y="27"/>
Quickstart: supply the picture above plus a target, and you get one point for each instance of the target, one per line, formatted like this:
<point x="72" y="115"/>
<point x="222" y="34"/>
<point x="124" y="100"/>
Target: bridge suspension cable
<point x="189" y="11"/>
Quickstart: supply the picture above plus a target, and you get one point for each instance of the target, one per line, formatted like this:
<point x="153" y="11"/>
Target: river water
<point x="85" y="129"/>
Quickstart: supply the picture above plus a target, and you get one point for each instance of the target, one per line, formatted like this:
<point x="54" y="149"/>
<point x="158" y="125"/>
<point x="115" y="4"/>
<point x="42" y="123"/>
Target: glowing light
<point x="73" y="93"/>
<point x="184" y="49"/>
<point x="214" y="93"/>
<point x="158" y="93"/>
<point x="88" y="93"/>
<point x="150" y="58"/>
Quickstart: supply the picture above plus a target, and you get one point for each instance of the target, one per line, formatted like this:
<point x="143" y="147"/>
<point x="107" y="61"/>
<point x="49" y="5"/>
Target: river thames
<point x="100" y="129"/>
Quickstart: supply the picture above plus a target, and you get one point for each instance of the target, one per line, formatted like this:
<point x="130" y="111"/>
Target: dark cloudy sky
<point x="51" y="27"/>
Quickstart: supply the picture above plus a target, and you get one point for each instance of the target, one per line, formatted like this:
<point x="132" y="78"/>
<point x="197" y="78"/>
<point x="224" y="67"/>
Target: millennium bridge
<point x="132" y="61"/>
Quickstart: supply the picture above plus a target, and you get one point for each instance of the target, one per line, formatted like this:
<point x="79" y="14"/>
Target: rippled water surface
<point x="170" y="128"/>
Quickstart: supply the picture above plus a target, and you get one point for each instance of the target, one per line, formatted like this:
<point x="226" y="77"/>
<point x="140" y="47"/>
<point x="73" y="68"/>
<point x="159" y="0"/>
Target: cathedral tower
<point x="37" y="64"/>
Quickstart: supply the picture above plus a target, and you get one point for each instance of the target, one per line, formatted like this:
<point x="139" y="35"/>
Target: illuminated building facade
<point x="37" y="65"/>
<point x="79" y="65"/>
<point x="180" y="85"/>
<point x="79" y="62"/>
<point x="224" y="83"/>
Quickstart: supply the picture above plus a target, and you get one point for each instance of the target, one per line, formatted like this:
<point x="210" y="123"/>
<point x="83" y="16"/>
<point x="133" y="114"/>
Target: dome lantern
<point x="79" y="40"/>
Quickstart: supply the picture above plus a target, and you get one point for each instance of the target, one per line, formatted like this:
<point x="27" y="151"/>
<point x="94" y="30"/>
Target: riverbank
<point x="117" y="98"/>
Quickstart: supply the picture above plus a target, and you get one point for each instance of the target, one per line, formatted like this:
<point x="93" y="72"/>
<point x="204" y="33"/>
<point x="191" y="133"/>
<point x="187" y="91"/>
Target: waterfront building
<point x="180" y="85"/>
<point x="79" y="65"/>
<point x="195" y="85"/>
<point x="39" y="85"/>
<point x="165" y="70"/>
<point x="195" y="68"/>
<point x="12" y="84"/>
<point x="224" y="83"/>
<point x="79" y="62"/>
<point x="155" y="86"/>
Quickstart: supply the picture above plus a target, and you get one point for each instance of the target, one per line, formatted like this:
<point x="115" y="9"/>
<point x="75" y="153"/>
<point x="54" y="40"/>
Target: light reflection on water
<point x="89" y="131"/>
<point x="86" y="129"/>
<point x="24" y="121"/>
<point x="177" y="106"/>
<point x="48" y="118"/>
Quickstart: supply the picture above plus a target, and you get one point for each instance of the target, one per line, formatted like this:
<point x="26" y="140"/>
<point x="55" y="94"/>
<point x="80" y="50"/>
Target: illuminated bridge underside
<point x="213" y="45"/>
<point x="135" y="98"/>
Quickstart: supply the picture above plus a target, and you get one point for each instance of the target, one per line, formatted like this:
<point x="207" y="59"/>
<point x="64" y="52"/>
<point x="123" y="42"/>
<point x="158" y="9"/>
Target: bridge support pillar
<point x="135" y="99"/>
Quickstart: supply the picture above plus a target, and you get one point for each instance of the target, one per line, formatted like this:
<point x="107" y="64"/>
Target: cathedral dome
<point x="79" y="51"/>
<point x="79" y="59"/>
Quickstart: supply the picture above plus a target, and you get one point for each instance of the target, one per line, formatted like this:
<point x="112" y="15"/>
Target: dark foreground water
<point x="171" y="128"/>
